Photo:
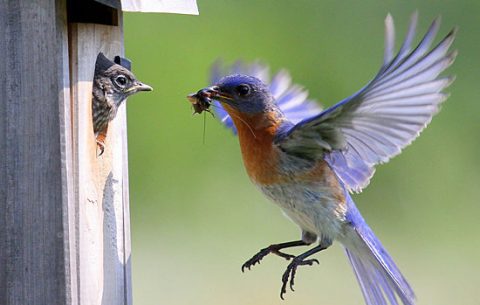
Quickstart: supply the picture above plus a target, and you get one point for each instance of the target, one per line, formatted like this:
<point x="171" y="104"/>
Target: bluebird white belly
<point x="313" y="206"/>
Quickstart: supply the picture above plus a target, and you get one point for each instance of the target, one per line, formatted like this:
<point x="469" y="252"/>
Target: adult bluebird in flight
<point x="308" y="161"/>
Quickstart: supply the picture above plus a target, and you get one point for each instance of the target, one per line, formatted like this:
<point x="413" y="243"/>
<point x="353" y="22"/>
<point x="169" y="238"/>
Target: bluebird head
<point x="246" y="94"/>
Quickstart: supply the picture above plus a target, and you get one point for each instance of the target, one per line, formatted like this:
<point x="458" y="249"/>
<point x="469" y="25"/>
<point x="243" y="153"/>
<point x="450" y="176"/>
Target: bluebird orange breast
<point x="256" y="133"/>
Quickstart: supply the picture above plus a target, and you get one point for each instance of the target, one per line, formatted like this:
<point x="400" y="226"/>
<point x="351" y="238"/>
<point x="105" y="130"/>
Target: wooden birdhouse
<point x="64" y="212"/>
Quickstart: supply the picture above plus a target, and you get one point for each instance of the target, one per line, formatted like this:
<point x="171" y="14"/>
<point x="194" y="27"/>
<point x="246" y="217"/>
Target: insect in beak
<point x="202" y="100"/>
<point x="200" y="103"/>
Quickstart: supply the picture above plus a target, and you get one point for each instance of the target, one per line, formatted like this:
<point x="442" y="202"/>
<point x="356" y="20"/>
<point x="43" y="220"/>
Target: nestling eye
<point x="121" y="80"/>
<point x="243" y="90"/>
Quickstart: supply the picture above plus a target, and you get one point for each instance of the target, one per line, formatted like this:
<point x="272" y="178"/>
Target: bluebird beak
<point x="214" y="92"/>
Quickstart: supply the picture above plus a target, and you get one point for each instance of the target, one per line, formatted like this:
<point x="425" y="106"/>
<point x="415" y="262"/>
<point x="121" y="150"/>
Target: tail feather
<point x="380" y="279"/>
<point x="371" y="284"/>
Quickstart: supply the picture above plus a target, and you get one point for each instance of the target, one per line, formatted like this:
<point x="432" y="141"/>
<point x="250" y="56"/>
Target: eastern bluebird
<point x="112" y="84"/>
<point x="308" y="161"/>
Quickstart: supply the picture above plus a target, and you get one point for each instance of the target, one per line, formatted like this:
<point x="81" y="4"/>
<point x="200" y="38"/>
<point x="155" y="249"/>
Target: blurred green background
<point x="195" y="215"/>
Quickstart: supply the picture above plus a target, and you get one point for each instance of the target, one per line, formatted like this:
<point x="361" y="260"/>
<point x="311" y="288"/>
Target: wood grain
<point x="34" y="183"/>
<point x="102" y="187"/>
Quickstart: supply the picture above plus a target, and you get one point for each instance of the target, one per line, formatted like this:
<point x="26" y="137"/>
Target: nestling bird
<point x="308" y="161"/>
<point x="112" y="84"/>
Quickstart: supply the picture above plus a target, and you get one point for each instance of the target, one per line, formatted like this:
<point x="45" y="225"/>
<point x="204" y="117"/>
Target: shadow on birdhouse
<point x="94" y="11"/>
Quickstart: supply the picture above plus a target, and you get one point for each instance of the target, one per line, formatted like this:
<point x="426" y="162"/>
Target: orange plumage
<point x="256" y="134"/>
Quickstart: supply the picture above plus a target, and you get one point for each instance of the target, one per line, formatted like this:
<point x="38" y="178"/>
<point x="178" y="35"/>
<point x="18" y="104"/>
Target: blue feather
<point x="290" y="98"/>
<point x="376" y="123"/>
<point x="378" y="275"/>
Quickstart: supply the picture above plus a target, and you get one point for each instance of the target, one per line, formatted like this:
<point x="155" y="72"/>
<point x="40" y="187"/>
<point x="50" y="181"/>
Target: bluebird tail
<point x="379" y="278"/>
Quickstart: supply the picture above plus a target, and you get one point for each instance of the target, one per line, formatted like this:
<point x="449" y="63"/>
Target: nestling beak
<point x="138" y="86"/>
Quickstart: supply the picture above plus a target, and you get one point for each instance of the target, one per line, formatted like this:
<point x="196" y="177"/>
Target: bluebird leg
<point x="275" y="249"/>
<point x="299" y="261"/>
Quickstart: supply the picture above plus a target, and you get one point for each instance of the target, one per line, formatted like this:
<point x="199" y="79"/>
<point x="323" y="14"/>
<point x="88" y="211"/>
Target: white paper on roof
<point x="161" y="6"/>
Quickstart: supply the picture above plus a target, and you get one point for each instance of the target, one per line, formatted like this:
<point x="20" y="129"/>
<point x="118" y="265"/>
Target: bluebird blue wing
<point x="292" y="99"/>
<point x="377" y="122"/>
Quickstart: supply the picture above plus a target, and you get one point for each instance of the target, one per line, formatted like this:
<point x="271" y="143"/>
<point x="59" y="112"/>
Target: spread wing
<point x="377" y="122"/>
<point x="290" y="98"/>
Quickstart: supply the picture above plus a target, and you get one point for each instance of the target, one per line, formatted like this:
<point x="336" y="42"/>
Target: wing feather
<point x="377" y="122"/>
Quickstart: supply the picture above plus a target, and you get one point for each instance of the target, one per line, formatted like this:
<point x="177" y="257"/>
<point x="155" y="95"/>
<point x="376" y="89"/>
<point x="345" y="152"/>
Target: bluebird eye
<point x="243" y="90"/>
<point x="121" y="80"/>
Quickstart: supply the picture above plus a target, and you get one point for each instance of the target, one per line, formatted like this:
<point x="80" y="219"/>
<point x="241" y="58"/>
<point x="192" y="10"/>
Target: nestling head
<point x="243" y="93"/>
<point x="116" y="82"/>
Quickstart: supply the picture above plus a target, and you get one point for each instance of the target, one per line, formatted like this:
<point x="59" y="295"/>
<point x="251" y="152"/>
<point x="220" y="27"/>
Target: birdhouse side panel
<point x="103" y="214"/>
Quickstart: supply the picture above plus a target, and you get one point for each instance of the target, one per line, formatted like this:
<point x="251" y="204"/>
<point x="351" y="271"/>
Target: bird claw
<point x="100" y="148"/>
<point x="288" y="276"/>
<point x="264" y="252"/>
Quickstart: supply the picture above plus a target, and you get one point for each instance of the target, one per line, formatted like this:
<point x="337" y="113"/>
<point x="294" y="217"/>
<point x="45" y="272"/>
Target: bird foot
<point x="275" y="249"/>
<point x="290" y="273"/>
<point x="100" y="148"/>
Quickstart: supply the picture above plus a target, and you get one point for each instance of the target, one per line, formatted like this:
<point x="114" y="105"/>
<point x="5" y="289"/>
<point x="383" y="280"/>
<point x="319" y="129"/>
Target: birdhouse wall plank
<point x="35" y="188"/>
<point x="102" y="192"/>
